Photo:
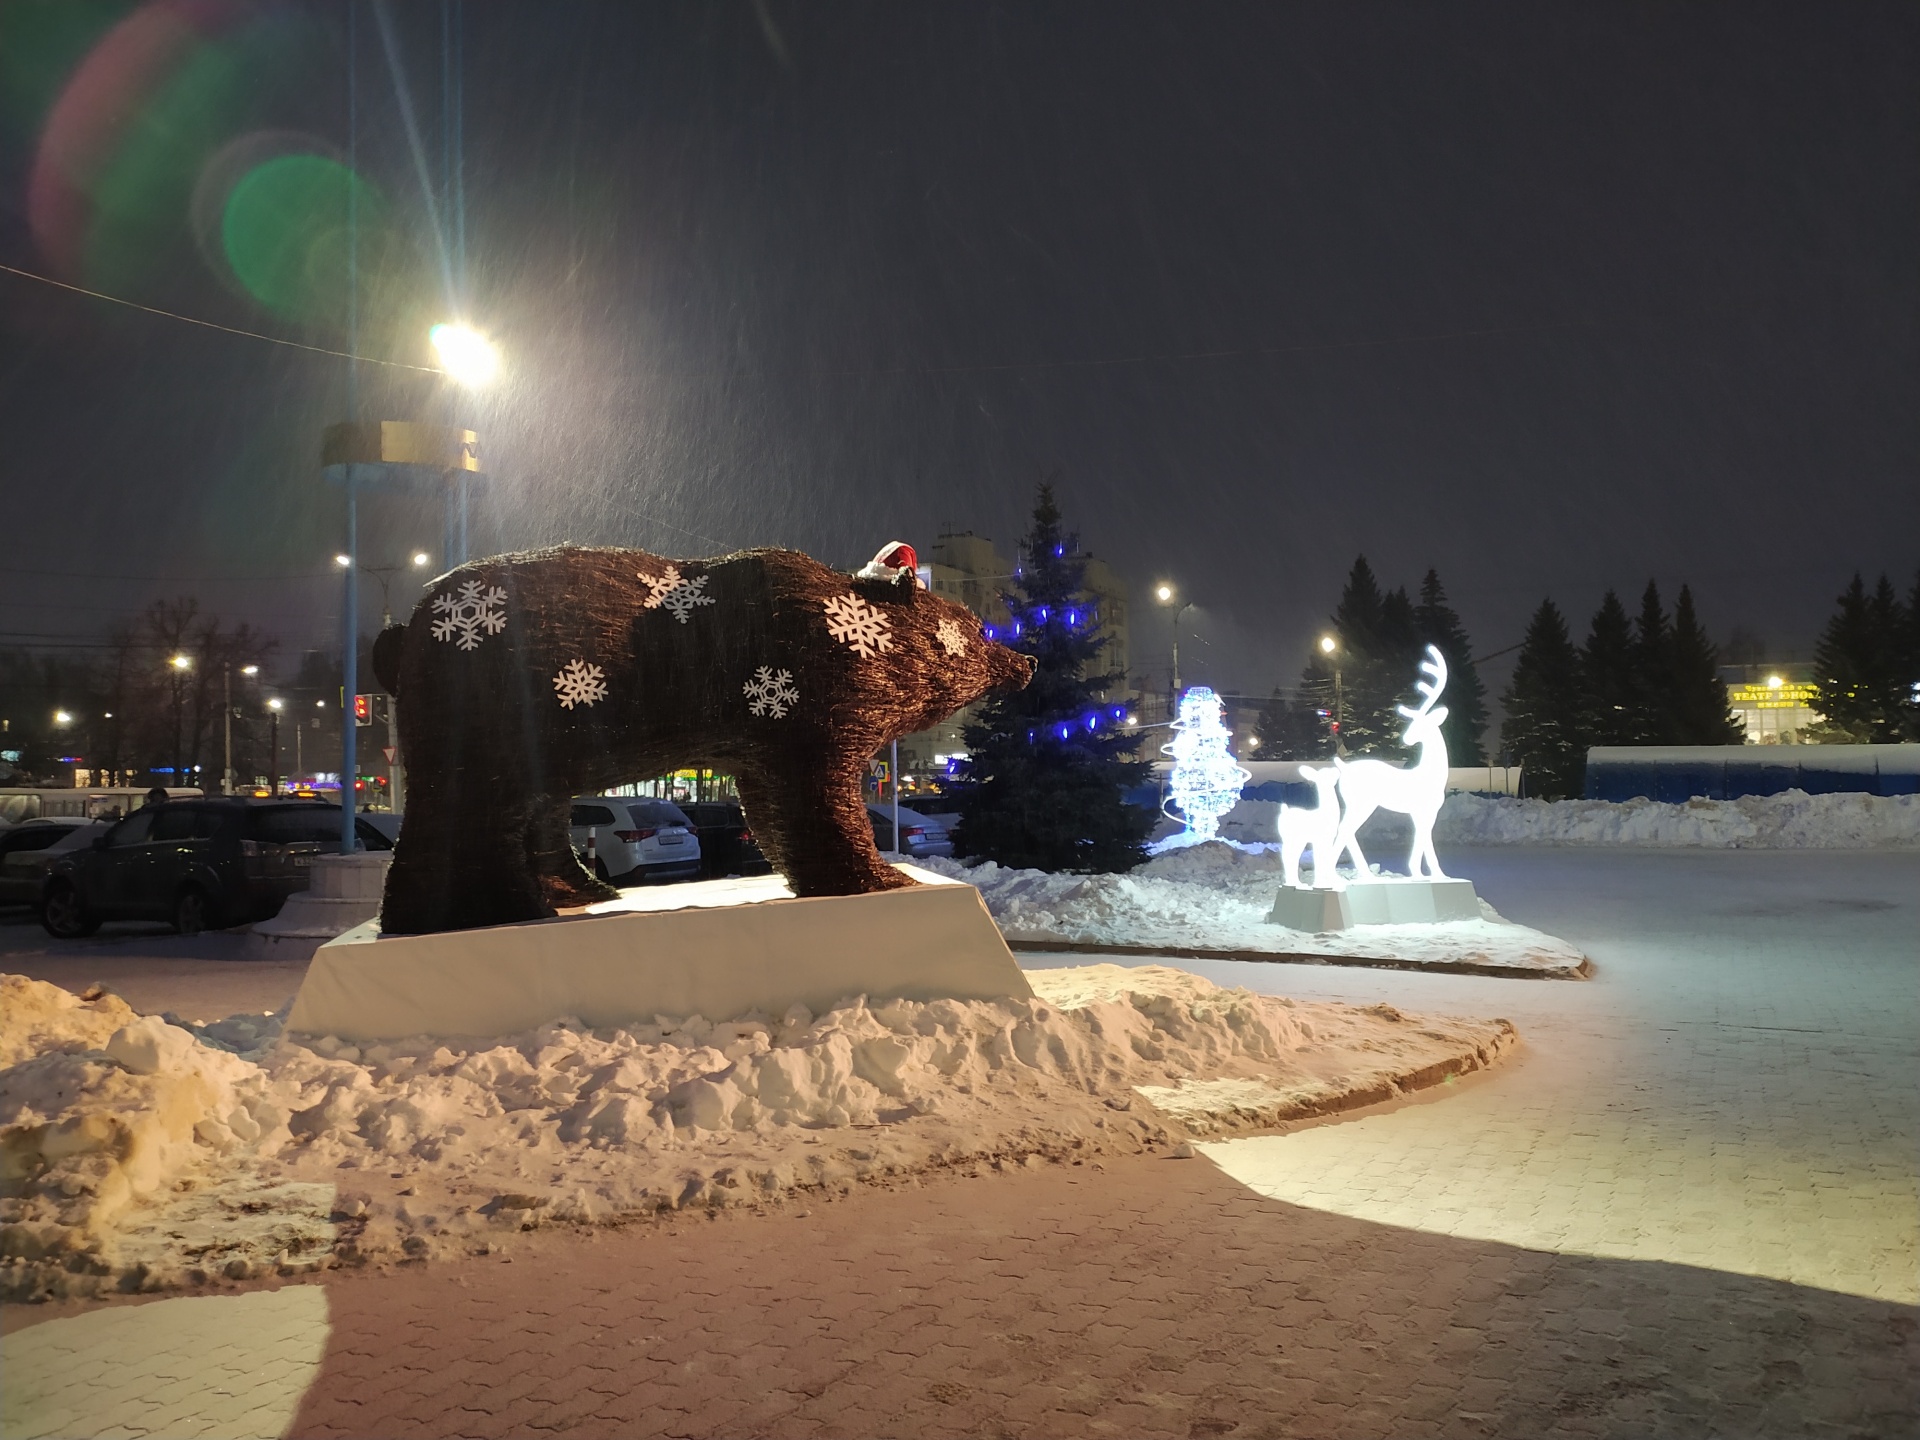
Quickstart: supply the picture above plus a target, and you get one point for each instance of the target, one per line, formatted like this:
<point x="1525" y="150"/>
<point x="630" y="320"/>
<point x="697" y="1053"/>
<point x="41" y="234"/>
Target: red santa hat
<point x="896" y="558"/>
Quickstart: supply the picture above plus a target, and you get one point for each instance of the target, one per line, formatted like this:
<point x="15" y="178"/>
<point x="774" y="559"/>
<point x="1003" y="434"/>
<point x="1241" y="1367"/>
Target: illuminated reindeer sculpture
<point x="1415" y="790"/>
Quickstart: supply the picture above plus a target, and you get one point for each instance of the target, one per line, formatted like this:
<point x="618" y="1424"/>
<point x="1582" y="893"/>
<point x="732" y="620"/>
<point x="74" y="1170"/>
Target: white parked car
<point x="635" y="841"/>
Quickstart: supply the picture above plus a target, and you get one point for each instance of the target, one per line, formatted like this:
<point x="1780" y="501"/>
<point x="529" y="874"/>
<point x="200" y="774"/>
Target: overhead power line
<point x="214" y="325"/>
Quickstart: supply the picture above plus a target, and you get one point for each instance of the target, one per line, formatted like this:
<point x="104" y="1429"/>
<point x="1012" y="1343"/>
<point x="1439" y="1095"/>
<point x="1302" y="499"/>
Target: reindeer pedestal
<point x="1317" y="911"/>
<point x="1387" y="900"/>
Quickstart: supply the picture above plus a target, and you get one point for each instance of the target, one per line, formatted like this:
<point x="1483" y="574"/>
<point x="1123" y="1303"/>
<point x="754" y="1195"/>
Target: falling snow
<point x="580" y="684"/>
<point x="771" y="692"/>
<point x="857" y="625"/>
<point x="674" y="593"/>
<point x="951" y="637"/>
<point x="470" y="615"/>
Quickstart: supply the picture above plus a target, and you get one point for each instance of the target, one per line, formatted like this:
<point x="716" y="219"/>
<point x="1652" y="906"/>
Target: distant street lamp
<point x="180" y="665"/>
<point x="62" y="718"/>
<point x="226" y="696"/>
<point x="1165" y="595"/>
<point x="1330" y="646"/>
<point x="274" y="707"/>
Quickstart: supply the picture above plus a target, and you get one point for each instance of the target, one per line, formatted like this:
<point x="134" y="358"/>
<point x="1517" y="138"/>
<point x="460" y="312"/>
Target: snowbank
<point x="1214" y="899"/>
<point x="419" y="1148"/>
<point x="1793" y="820"/>
<point x="102" y="1111"/>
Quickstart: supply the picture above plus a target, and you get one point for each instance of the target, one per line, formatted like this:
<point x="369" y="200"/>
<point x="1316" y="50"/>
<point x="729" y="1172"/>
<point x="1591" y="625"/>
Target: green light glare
<point x="284" y="232"/>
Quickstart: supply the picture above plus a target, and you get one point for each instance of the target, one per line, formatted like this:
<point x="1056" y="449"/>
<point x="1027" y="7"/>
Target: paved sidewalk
<point x="1687" y="1211"/>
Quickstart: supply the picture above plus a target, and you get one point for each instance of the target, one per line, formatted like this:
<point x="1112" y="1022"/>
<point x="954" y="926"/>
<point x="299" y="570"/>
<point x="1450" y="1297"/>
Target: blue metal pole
<point x="350" y="607"/>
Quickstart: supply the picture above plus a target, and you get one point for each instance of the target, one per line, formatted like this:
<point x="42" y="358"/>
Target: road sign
<point x="392" y="752"/>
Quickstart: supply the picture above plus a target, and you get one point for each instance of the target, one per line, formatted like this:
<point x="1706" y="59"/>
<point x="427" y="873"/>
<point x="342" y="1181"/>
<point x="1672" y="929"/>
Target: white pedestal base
<point x="719" y="949"/>
<point x="344" y="891"/>
<point x="1389" y="900"/>
<point x="1315" y="911"/>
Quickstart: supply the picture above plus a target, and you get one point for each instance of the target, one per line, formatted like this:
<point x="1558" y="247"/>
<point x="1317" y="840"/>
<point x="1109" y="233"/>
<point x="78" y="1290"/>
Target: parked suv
<point x="726" y="844"/>
<point x="28" y="851"/>
<point x="923" y="836"/>
<point x="636" y="841"/>
<point x="197" y="863"/>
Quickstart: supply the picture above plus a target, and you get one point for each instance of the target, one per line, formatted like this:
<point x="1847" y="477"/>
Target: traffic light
<point x="363" y="709"/>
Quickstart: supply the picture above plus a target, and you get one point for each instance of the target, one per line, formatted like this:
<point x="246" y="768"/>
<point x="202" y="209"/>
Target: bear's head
<point x="949" y="662"/>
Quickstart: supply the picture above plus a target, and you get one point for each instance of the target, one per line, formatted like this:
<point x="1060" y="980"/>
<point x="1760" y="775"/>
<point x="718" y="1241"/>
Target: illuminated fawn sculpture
<point x="1416" y="790"/>
<point x="1302" y="829"/>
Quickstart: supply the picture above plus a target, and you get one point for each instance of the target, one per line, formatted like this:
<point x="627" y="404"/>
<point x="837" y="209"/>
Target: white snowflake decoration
<point x="471" y="614"/>
<point x="857" y="625"/>
<point x="771" y="692"/>
<point x="674" y="592"/>
<point x="951" y="637"/>
<point x="579" y="683"/>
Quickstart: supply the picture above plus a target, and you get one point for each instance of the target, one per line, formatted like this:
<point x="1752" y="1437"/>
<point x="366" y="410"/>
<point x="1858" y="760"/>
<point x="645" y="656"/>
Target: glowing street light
<point x="181" y="662"/>
<point x="420" y="559"/>
<point x="1330" y="645"/>
<point x="61" y="717"/>
<point x="1165" y="595"/>
<point x="249" y="669"/>
<point x="468" y="357"/>
<point x="276" y="704"/>
<point x="345" y="562"/>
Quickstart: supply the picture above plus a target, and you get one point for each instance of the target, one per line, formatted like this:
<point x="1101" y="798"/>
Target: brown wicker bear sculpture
<point x="524" y="680"/>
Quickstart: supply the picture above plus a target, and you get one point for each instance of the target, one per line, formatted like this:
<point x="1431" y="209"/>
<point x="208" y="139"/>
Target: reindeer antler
<point x="1434" y="667"/>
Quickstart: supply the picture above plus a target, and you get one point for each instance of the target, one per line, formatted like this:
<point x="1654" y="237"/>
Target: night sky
<point x="1549" y="297"/>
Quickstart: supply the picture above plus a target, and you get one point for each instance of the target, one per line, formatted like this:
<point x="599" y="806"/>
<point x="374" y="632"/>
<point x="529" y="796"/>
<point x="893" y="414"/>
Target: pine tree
<point x="1609" y="693"/>
<point x="1542" y="729"/>
<point x="1376" y="664"/>
<point x="1909" y="651"/>
<point x="1860" y="666"/>
<point x="1653" y="721"/>
<point x="1436" y="624"/>
<point x="1049" y="759"/>
<point x="1697" y="697"/>
<point x="1291" y="727"/>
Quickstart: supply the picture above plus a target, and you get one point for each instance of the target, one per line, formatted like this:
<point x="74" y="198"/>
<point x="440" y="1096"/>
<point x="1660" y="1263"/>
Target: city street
<point x="1687" y="1209"/>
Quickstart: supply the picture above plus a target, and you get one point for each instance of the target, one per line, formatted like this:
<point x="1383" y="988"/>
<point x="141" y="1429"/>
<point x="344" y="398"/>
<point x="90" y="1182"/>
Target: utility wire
<point x="212" y="325"/>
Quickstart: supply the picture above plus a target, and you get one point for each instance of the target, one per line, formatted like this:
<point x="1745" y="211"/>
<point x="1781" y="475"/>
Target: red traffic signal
<point x="363" y="709"/>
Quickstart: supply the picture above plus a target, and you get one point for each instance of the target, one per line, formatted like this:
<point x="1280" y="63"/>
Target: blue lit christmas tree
<point x="1050" y="763"/>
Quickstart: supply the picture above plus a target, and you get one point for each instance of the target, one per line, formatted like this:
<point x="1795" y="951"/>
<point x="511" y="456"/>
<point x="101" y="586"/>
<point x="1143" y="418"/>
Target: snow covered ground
<point x="143" y="1154"/>
<point x="1214" y="899"/>
<point x="1793" y="820"/>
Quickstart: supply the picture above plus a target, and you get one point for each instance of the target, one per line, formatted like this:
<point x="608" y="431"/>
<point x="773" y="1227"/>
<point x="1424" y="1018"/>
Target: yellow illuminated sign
<point x="1793" y="696"/>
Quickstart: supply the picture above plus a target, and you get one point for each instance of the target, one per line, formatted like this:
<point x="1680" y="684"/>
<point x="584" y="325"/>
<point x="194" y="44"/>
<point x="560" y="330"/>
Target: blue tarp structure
<point x="1677" y="773"/>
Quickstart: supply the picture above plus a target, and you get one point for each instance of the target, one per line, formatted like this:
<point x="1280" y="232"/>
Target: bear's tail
<point x="386" y="657"/>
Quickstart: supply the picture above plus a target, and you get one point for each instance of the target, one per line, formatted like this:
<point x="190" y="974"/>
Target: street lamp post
<point x="274" y="706"/>
<point x="1165" y="594"/>
<point x="1329" y="646"/>
<point x="179" y="664"/>
<point x="226" y="693"/>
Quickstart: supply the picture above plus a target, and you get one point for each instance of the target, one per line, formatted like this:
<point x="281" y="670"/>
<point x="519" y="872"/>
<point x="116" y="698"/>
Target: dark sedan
<point x="198" y="864"/>
<point x="726" y="844"/>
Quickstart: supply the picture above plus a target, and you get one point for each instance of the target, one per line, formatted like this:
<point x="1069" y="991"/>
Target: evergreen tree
<point x="1376" y="663"/>
<point x="1543" y="701"/>
<point x="1861" y="667"/>
<point x="1435" y="623"/>
<point x="1291" y="727"/>
<point x="1697" y="699"/>
<point x="1049" y="762"/>
<point x="1609" y="681"/>
<point x="1652" y="711"/>
<point x="1910" y="662"/>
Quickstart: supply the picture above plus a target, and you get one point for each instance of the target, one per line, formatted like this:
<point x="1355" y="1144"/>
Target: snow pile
<point x="92" y="1125"/>
<point x="420" y="1147"/>
<point x="1793" y="820"/>
<point x="1214" y="898"/>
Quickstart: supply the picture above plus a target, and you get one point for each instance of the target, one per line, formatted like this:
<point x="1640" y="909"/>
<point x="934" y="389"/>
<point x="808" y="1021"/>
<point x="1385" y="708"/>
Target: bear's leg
<point x="813" y="826"/>
<point x="563" y="879"/>
<point x="465" y="867"/>
<point x="420" y="879"/>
